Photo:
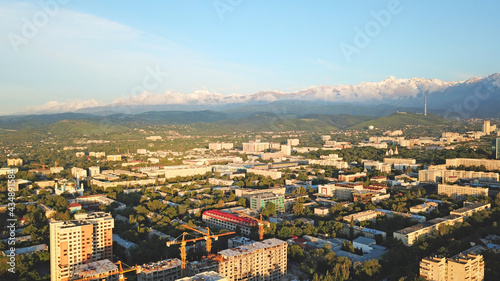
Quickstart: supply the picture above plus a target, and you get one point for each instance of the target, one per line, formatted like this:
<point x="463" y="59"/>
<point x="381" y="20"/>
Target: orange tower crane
<point x="182" y="248"/>
<point x="208" y="236"/>
<point x="43" y="165"/>
<point x="260" y="223"/>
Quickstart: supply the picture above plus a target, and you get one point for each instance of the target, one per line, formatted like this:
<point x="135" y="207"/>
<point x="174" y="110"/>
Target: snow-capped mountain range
<point x="393" y="91"/>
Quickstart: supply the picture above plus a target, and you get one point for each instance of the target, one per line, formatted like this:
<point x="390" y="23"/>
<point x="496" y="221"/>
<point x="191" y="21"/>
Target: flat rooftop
<point x="245" y="249"/>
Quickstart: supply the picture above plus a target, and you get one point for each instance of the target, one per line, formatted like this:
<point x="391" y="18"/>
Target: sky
<point x="58" y="52"/>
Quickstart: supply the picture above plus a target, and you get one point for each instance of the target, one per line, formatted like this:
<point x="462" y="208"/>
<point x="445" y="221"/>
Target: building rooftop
<point x="95" y="268"/>
<point x="244" y="249"/>
<point x="160" y="265"/>
<point x="27" y="250"/>
<point x="230" y="217"/>
<point x="204" y="276"/>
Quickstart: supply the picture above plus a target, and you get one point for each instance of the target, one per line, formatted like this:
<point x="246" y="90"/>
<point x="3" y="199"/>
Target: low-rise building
<point x="470" y="208"/>
<point x="410" y="235"/>
<point x="223" y="220"/>
<point x="321" y="211"/>
<point x="369" y="215"/>
<point x="426" y="207"/>
<point x="461" y="192"/>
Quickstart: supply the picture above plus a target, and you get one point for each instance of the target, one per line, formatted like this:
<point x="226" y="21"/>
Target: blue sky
<point x="95" y="52"/>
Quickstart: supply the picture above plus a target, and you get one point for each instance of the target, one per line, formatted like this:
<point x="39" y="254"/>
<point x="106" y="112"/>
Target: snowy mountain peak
<point x="389" y="90"/>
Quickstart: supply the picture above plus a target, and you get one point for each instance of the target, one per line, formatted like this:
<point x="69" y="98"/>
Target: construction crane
<point x="182" y="248"/>
<point x="121" y="276"/>
<point x="208" y="236"/>
<point x="260" y="223"/>
<point x="43" y="165"/>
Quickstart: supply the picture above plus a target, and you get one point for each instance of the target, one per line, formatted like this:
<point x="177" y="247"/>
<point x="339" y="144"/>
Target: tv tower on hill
<point x="425" y="105"/>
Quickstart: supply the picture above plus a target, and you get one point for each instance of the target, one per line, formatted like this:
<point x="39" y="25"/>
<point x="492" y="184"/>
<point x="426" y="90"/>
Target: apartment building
<point x="219" y="219"/>
<point x="14" y="162"/>
<point x="265" y="260"/>
<point x="470" y="208"/>
<point x="461" y="192"/>
<point x="370" y="215"/>
<point x="400" y="161"/>
<point x="164" y="270"/>
<point x="220" y="145"/>
<point x="410" y="235"/>
<point x="453" y="175"/>
<point x="86" y="239"/>
<point x="351" y="178"/>
<point x="260" y="201"/>
<point x="489" y="164"/>
<point x="114" y="158"/>
<point x="433" y="268"/>
<point x="255" y="146"/>
<point x="460" y="267"/>
<point x="273" y="174"/>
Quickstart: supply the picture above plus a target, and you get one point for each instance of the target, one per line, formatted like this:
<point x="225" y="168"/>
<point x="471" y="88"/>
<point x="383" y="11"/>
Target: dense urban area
<point x="179" y="202"/>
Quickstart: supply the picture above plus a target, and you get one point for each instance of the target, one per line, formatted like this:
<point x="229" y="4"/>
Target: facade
<point x="433" y="268"/>
<point x="369" y="215"/>
<point x="460" y="267"/>
<point x="426" y="207"/>
<point x="403" y="161"/>
<point x="495" y="148"/>
<point x="351" y="178"/>
<point x="77" y="242"/>
<point x="260" y="201"/>
<point x="219" y="219"/>
<point x="78" y="173"/>
<point x="470" y="208"/>
<point x="185" y="171"/>
<point x="461" y="192"/>
<point x="94" y="170"/>
<point x="445" y="176"/>
<point x="14" y="162"/>
<point x="410" y="235"/>
<point x="293" y="142"/>
<point x="487" y="163"/>
<point x="273" y="174"/>
<point x="164" y="270"/>
<point x="114" y="158"/>
<point x="339" y="190"/>
<point x="255" y="146"/>
<point x="321" y="211"/>
<point x="265" y="260"/>
<point x="220" y="145"/>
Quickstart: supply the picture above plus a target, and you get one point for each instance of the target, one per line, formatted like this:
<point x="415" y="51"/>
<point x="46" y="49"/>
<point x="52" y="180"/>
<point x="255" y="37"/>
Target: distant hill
<point x="169" y="117"/>
<point x="400" y="120"/>
<point x="265" y="122"/>
<point x="83" y="127"/>
<point x="21" y="122"/>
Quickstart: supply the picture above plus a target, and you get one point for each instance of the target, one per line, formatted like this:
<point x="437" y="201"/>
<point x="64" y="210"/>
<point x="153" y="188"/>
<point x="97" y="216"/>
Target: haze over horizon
<point x="98" y="53"/>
